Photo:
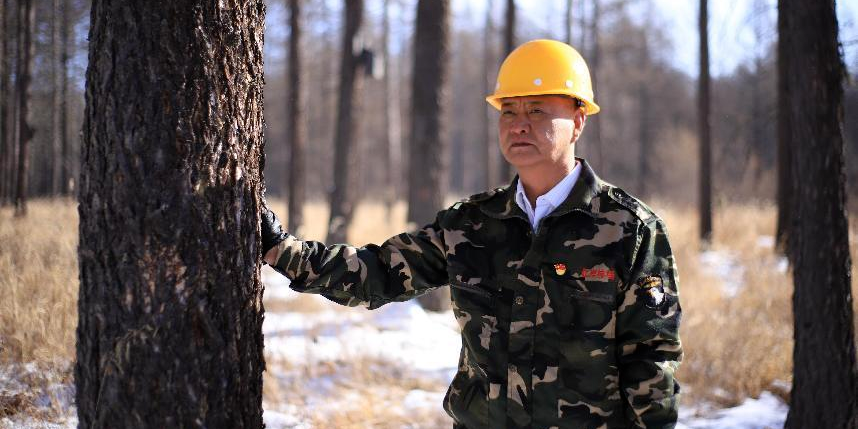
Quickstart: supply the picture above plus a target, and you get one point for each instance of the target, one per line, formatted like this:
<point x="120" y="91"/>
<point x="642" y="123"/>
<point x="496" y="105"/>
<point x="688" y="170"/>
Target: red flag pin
<point x="560" y="269"/>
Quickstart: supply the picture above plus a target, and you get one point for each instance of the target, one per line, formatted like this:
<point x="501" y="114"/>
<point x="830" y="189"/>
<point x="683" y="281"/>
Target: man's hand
<point x="272" y="234"/>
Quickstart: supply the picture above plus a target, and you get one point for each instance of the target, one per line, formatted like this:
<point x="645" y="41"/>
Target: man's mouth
<point x="520" y="144"/>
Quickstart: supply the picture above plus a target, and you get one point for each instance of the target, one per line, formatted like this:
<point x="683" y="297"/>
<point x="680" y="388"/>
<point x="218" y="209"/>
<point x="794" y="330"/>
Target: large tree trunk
<point x="23" y="77"/>
<point x="295" y="123"/>
<point x="784" y="172"/>
<point x="428" y="172"/>
<point x="825" y="374"/>
<point x="704" y="128"/>
<point x="345" y="171"/>
<point x="508" y="46"/>
<point x="170" y="306"/>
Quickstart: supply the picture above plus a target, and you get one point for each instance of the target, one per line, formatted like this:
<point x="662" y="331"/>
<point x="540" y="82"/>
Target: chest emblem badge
<point x="560" y="269"/>
<point x="598" y="274"/>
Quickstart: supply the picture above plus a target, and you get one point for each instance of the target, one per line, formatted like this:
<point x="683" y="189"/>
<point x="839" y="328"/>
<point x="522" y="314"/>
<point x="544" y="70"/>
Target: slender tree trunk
<point x="784" y="148"/>
<point x="703" y="123"/>
<point x="351" y="80"/>
<point x="55" y="159"/>
<point x="295" y="123"/>
<point x="170" y="306"/>
<point x="4" y="95"/>
<point x="569" y="17"/>
<point x="595" y="124"/>
<point x="392" y="141"/>
<point x="825" y="373"/>
<point x="23" y="77"/>
<point x="428" y="172"/>
<point x="66" y="180"/>
<point x="509" y="44"/>
<point x="644" y="107"/>
<point x="491" y="145"/>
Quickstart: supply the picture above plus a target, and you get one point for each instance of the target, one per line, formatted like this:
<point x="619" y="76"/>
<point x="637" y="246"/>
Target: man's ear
<point x="580" y="120"/>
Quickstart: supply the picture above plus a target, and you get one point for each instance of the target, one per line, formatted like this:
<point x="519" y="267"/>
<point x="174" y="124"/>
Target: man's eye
<point x="507" y="113"/>
<point x="535" y="111"/>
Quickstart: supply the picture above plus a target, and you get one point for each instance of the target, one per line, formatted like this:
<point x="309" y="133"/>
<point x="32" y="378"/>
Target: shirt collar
<point x="501" y="203"/>
<point x="553" y="197"/>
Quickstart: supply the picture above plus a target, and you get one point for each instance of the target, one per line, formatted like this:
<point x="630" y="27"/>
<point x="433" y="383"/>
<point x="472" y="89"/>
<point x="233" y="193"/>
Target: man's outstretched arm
<point x="399" y="269"/>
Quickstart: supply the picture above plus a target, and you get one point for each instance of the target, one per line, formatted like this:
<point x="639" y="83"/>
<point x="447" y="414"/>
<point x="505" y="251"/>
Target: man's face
<point x="539" y="130"/>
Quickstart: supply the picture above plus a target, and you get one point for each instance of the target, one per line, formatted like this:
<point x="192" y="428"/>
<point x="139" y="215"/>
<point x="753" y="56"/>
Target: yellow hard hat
<point x="543" y="67"/>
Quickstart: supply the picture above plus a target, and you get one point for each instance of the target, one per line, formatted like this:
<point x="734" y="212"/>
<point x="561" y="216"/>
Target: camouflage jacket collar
<point x="501" y="204"/>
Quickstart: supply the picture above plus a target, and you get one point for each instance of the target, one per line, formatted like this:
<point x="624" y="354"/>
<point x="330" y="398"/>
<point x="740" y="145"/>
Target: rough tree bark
<point x="345" y="171"/>
<point x="825" y="374"/>
<point x="23" y="77"/>
<point x="704" y="128"/>
<point x="295" y="130"/>
<point x="170" y="302"/>
<point x="428" y="173"/>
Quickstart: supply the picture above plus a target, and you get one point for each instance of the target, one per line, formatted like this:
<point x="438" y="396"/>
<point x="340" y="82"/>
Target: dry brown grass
<point x="38" y="282"/>
<point x="735" y="347"/>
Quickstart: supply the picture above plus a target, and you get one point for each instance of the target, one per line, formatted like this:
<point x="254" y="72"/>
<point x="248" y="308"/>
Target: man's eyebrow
<point x="530" y="103"/>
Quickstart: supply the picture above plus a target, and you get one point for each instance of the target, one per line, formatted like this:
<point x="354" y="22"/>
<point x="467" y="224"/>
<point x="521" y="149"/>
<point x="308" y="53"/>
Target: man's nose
<point x="520" y="125"/>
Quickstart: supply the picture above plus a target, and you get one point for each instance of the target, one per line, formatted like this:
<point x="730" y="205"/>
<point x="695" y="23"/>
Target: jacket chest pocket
<point x="588" y="306"/>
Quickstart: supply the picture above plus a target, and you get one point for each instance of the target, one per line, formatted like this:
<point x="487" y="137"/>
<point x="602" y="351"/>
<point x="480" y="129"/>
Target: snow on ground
<point x="718" y="262"/>
<point x="397" y="337"/>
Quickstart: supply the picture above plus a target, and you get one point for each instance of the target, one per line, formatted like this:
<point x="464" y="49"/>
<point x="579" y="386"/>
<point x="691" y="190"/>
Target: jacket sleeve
<point x="648" y="331"/>
<point x="401" y="268"/>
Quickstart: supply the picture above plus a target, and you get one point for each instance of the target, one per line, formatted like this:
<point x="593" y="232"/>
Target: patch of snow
<point x="766" y="241"/>
<point x="726" y="266"/>
<point x="417" y="399"/>
<point x="767" y="412"/>
<point x="276" y="285"/>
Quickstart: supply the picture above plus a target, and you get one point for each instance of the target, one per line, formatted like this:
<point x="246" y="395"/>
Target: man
<point x="564" y="286"/>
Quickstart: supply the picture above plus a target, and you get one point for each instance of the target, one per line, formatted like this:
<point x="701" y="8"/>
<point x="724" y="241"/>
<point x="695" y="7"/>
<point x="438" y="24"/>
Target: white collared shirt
<point x="545" y="204"/>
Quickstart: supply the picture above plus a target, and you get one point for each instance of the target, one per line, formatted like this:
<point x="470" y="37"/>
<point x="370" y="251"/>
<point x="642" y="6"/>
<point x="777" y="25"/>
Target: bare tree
<point x="23" y="78"/>
<point x="392" y="135"/>
<point x="65" y="145"/>
<point x="785" y="144"/>
<point x="509" y="44"/>
<point x="5" y="141"/>
<point x="704" y="128"/>
<point x="56" y="93"/>
<point x="644" y="107"/>
<point x="351" y="80"/>
<point x="295" y="137"/>
<point x="170" y="302"/>
<point x="595" y="124"/>
<point x="569" y="16"/>
<point x="490" y="155"/>
<point x="428" y="172"/>
<point x="825" y="373"/>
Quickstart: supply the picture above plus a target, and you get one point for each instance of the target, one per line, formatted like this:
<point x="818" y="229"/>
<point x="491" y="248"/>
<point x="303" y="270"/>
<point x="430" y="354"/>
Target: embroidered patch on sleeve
<point x="651" y="290"/>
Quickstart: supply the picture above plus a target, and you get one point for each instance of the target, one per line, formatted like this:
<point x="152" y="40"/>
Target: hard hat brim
<point x="590" y="107"/>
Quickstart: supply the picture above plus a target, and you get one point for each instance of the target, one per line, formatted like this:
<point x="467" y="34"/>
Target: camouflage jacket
<point x="574" y="326"/>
